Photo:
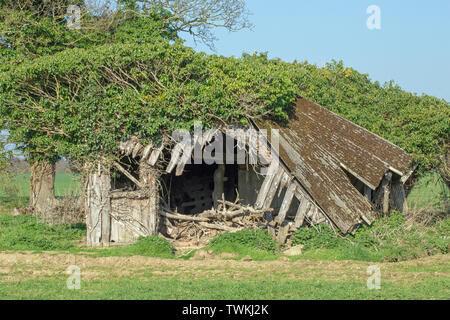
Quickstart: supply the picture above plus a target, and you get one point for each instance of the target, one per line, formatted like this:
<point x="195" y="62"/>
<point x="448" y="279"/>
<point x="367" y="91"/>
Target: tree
<point x="199" y="18"/>
<point x="35" y="28"/>
<point x="32" y="29"/>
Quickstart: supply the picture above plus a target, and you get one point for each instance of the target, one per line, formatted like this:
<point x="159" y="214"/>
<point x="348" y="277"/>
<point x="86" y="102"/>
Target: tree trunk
<point x="42" y="182"/>
<point x="98" y="205"/>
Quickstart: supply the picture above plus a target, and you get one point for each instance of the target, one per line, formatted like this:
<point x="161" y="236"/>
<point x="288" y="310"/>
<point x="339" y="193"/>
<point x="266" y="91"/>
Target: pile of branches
<point x="200" y="228"/>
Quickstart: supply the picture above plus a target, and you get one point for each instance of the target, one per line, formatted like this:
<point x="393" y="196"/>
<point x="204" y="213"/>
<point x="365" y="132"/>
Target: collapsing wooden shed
<point x="325" y="169"/>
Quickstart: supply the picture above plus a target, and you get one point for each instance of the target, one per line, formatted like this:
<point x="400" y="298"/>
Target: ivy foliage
<point x="35" y="29"/>
<point x="83" y="101"/>
<point x="418" y="124"/>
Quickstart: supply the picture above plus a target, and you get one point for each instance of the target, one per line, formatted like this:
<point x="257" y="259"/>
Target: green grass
<point x="388" y="239"/>
<point x="257" y="244"/>
<point x="174" y="288"/>
<point x="30" y="233"/>
<point x="65" y="184"/>
<point x="148" y="247"/>
<point x="15" y="189"/>
<point x="429" y="192"/>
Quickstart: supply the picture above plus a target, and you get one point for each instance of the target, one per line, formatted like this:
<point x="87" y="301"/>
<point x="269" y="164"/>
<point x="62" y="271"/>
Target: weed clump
<point x="388" y="239"/>
<point x="152" y="246"/>
<point x="256" y="239"/>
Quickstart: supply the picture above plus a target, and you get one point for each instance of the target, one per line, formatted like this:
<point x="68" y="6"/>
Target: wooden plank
<point x="146" y="152"/>
<point x="284" y="182"/>
<point x="137" y="148"/>
<point x="176" y="153"/>
<point x="386" y="185"/>
<point x="266" y="184"/>
<point x="314" y="215"/>
<point x="182" y="217"/>
<point x="155" y="155"/>
<point x="311" y="211"/>
<point x="283" y="232"/>
<point x="301" y="213"/>
<point x="98" y="206"/>
<point x="252" y="146"/>
<point x="273" y="188"/>
<point x="128" y="175"/>
<point x="265" y="155"/>
<point x="187" y="153"/>
<point x="286" y="203"/>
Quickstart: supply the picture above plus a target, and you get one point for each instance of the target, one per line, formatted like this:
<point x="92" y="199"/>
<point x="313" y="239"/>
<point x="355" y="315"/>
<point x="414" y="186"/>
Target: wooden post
<point x="286" y="203"/>
<point x="283" y="232"/>
<point x="398" y="197"/>
<point x="386" y="186"/>
<point x="148" y="177"/>
<point x="98" y="204"/>
<point x="219" y="181"/>
<point x="368" y="193"/>
<point x="271" y="171"/>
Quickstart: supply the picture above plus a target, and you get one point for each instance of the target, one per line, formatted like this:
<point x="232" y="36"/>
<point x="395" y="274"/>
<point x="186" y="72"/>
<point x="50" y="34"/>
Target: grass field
<point x="43" y="276"/>
<point x="65" y="184"/>
<point x="34" y="257"/>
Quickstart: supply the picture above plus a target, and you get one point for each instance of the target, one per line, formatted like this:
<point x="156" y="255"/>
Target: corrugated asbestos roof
<point x="317" y="145"/>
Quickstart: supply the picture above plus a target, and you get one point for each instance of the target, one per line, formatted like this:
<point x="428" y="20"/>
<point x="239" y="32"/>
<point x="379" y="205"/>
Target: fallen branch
<point x="182" y="217"/>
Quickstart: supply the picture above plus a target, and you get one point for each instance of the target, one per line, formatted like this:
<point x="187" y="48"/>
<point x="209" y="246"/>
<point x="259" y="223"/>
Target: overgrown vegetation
<point x="151" y="246"/>
<point x="30" y="233"/>
<point x="256" y="243"/>
<point x="388" y="239"/>
<point x="418" y="124"/>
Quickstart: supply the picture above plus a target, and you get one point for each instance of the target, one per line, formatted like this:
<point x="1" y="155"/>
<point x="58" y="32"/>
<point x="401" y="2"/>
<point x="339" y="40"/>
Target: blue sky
<point x="412" y="47"/>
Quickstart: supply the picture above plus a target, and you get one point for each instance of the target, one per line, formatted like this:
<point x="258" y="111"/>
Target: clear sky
<point x="412" y="47"/>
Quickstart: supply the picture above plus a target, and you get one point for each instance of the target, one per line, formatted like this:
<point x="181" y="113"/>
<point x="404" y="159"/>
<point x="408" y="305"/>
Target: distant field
<point x="15" y="191"/>
<point x="65" y="184"/>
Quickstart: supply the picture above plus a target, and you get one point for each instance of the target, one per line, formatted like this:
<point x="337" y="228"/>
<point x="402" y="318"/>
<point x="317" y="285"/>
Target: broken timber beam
<point x="176" y="153"/>
<point x="273" y="188"/>
<point x="301" y="211"/>
<point x="286" y="203"/>
<point x="128" y="175"/>
<point x="266" y="184"/>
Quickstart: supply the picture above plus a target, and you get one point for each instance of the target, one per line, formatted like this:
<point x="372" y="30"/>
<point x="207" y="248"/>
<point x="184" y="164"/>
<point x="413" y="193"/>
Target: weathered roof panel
<point x="317" y="145"/>
<point x="390" y="154"/>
